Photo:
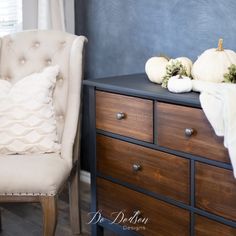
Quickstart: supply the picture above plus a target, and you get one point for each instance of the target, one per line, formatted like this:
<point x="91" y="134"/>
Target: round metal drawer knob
<point x="189" y="132"/>
<point x="120" y="115"/>
<point x="136" y="167"/>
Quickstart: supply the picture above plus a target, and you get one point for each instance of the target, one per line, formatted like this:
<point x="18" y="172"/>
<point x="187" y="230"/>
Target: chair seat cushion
<point x="34" y="174"/>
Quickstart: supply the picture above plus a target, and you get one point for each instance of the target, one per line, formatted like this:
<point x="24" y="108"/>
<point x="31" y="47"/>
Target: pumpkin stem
<point x="165" y="56"/>
<point x="220" y="45"/>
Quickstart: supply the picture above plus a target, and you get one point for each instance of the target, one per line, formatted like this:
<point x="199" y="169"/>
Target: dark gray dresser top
<point x="139" y="85"/>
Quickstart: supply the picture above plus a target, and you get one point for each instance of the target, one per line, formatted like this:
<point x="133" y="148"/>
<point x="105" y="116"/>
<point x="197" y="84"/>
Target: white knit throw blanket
<point x="218" y="101"/>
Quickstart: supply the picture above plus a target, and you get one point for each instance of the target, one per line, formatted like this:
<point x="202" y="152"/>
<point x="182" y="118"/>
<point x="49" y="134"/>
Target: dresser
<point x="157" y="167"/>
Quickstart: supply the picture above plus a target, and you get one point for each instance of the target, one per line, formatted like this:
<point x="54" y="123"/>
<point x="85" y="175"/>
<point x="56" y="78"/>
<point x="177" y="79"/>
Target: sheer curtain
<point x="51" y="14"/>
<point x="10" y="16"/>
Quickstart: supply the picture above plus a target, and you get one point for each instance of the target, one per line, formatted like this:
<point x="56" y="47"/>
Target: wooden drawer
<point x="138" y="115"/>
<point x="163" y="219"/>
<point x="152" y="170"/>
<point x="216" y="190"/>
<point x="172" y="122"/>
<point x="207" y="227"/>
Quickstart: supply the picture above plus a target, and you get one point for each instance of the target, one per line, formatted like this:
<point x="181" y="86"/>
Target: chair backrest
<point x="30" y="51"/>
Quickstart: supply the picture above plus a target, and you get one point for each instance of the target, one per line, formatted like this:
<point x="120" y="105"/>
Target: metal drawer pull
<point x="136" y="167"/>
<point x="120" y="115"/>
<point x="189" y="132"/>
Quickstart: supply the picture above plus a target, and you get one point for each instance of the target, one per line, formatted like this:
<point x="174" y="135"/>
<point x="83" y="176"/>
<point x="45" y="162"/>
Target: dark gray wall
<point x="123" y="34"/>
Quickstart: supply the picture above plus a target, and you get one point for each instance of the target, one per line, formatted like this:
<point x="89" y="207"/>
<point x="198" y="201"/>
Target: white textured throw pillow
<point x="27" y="118"/>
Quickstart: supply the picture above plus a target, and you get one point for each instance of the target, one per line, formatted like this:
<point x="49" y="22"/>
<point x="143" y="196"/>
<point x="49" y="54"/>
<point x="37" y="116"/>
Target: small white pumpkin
<point x="179" y="84"/>
<point x="155" y="68"/>
<point x="187" y="63"/>
<point x="213" y="63"/>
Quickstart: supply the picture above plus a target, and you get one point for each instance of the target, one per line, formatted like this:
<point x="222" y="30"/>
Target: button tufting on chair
<point x="60" y="80"/>
<point x="60" y="117"/>
<point x="36" y="45"/>
<point x="49" y="61"/>
<point x="63" y="43"/>
<point x="22" y="61"/>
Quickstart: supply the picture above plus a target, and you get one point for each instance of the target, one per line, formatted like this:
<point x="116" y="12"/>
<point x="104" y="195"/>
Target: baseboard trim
<point x="85" y="176"/>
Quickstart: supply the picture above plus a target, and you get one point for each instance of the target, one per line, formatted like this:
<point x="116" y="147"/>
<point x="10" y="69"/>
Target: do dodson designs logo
<point x="134" y="222"/>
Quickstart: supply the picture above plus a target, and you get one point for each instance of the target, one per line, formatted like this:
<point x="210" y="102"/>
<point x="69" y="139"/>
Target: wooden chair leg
<point x="0" y="221"/>
<point x="75" y="216"/>
<point x="49" y="207"/>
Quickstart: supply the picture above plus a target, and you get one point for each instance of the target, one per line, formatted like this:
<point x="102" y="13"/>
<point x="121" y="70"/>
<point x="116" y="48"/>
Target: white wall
<point x="70" y="16"/>
<point x="30" y="15"/>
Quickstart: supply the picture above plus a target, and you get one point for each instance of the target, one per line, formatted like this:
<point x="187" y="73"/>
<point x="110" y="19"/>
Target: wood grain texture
<point x="0" y="220"/>
<point x="216" y="190"/>
<point x="12" y="198"/>
<point x="163" y="219"/>
<point x="172" y="120"/>
<point x="74" y="183"/>
<point x="138" y="121"/>
<point x="207" y="227"/>
<point x="75" y="211"/>
<point x="160" y="172"/>
<point x="49" y="207"/>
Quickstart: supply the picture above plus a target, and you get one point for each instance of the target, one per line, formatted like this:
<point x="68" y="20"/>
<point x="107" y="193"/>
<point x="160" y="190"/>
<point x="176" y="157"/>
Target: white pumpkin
<point x="186" y="62"/>
<point x="155" y="68"/>
<point x="213" y="64"/>
<point x="179" y="84"/>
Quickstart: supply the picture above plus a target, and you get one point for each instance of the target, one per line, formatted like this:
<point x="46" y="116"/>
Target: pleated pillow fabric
<point x="27" y="117"/>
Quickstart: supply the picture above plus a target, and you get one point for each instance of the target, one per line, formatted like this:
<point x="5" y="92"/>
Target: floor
<point x="26" y="219"/>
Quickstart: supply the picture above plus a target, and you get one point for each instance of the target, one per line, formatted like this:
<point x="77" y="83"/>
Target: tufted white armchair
<point x="40" y="177"/>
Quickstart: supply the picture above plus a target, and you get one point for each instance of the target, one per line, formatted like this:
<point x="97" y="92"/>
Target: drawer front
<point x="163" y="219"/>
<point x="207" y="227"/>
<point x="216" y="190"/>
<point x="124" y="115"/>
<point x="174" y="124"/>
<point x="146" y="168"/>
